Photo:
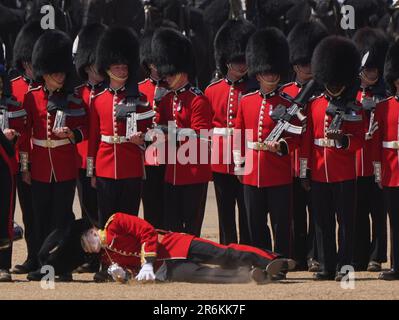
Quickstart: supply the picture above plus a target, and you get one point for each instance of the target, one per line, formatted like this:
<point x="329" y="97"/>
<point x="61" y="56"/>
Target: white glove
<point x="146" y="273"/>
<point x="118" y="273"/>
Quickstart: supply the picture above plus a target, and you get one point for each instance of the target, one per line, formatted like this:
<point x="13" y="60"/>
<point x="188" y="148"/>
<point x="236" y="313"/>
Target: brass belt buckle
<point x="260" y="146"/>
<point x="116" y="139"/>
<point x="49" y="143"/>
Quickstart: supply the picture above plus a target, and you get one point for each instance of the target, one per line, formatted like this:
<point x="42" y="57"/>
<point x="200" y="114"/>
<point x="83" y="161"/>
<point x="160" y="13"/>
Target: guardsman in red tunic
<point x="116" y="143"/>
<point x="329" y="151"/>
<point x="56" y="122"/>
<point x="93" y="84"/>
<point x="225" y="95"/>
<point x="153" y="88"/>
<point x="370" y="248"/>
<point x="7" y="187"/>
<point x="386" y="156"/>
<point x="130" y="246"/>
<point x="23" y="49"/>
<point x="302" y="41"/>
<point x="267" y="175"/>
<point x="187" y="172"/>
<point x="7" y="182"/>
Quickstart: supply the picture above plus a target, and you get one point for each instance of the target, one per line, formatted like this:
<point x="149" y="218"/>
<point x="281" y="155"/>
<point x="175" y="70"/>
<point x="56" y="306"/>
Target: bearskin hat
<point x="87" y="45"/>
<point x="267" y="51"/>
<point x="118" y="45"/>
<point x="145" y="49"/>
<point x="303" y="39"/>
<point x="172" y="52"/>
<point x="231" y="42"/>
<point x="145" y="44"/>
<point x="52" y="53"/>
<point x="375" y="42"/>
<point x="25" y="42"/>
<point x="336" y="62"/>
<point x="364" y="9"/>
<point x="391" y="68"/>
<point x="63" y="250"/>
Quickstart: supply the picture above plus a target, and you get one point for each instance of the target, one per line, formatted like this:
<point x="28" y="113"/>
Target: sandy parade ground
<point x="299" y="285"/>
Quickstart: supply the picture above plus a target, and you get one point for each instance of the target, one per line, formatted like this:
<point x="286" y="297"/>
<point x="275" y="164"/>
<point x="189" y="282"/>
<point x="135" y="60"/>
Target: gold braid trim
<point x="103" y="232"/>
<point x="144" y="254"/>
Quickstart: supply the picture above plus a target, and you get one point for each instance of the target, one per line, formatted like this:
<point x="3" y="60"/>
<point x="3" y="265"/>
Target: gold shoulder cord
<point x="103" y="237"/>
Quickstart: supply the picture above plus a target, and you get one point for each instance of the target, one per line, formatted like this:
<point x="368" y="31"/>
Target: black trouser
<point x="305" y="246"/>
<point x="25" y="202"/>
<point x="153" y="195"/>
<point x="229" y="192"/>
<point x="122" y="195"/>
<point x="370" y="201"/>
<point x="52" y="207"/>
<point x="277" y="201"/>
<point x="7" y="204"/>
<point x="391" y="200"/>
<point x="328" y="200"/>
<point x="87" y="198"/>
<point x="185" y="207"/>
<point x="228" y="259"/>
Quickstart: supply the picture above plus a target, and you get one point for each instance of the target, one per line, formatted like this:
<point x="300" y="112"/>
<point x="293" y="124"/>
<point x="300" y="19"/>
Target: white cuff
<point x="303" y="167"/>
<point x="377" y="171"/>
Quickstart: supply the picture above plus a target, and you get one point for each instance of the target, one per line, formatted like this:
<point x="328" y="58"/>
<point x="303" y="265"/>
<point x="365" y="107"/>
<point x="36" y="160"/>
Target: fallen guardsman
<point x="132" y="249"/>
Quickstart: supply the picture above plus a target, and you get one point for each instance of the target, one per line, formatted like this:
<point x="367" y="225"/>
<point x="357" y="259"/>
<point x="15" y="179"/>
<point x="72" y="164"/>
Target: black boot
<point x="323" y="276"/>
<point x="313" y="265"/>
<point x="374" y="266"/>
<point x="102" y="276"/>
<point x="5" y="276"/>
<point x="67" y="277"/>
<point x="389" y="275"/>
<point x="275" y="270"/>
<point x="25" y="268"/>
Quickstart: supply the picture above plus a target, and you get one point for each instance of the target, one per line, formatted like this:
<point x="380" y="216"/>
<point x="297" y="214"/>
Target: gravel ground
<point x="298" y="285"/>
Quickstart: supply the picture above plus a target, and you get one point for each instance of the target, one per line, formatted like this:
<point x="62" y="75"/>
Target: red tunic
<point x="147" y="88"/>
<point x="19" y="87"/>
<point x="292" y="89"/>
<point x="224" y="97"/>
<point x="387" y="117"/>
<point x="120" y="160"/>
<point x="59" y="162"/>
<point x="254" y="124"/>
<point x="329" y="164"/>
<point x="129" y="240"/>
<point x="10" y="163"/>
<point x="188" y="108"/>
<point x="86" y="92"/>
<point x="364" y="156"/>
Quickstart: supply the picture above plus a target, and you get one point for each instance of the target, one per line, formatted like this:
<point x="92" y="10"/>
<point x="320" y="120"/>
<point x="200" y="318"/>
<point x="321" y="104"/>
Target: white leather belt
<point x="325" y="143"/>
<point x="259" y="146"/>
<point x="50" y="143"/>
<point x="390" y="144"/>
<point x="223" y="131"/>
<point x="114" y="139"/>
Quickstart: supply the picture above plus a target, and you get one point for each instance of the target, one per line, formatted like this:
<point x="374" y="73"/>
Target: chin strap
<point x="269" y="83"/>
<point x="176" y="81"/>
<point x="53" y="83"/>
<point x="368" y="80"/>
<point x="334" y="95"/>
<point x="114" y="77"/>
